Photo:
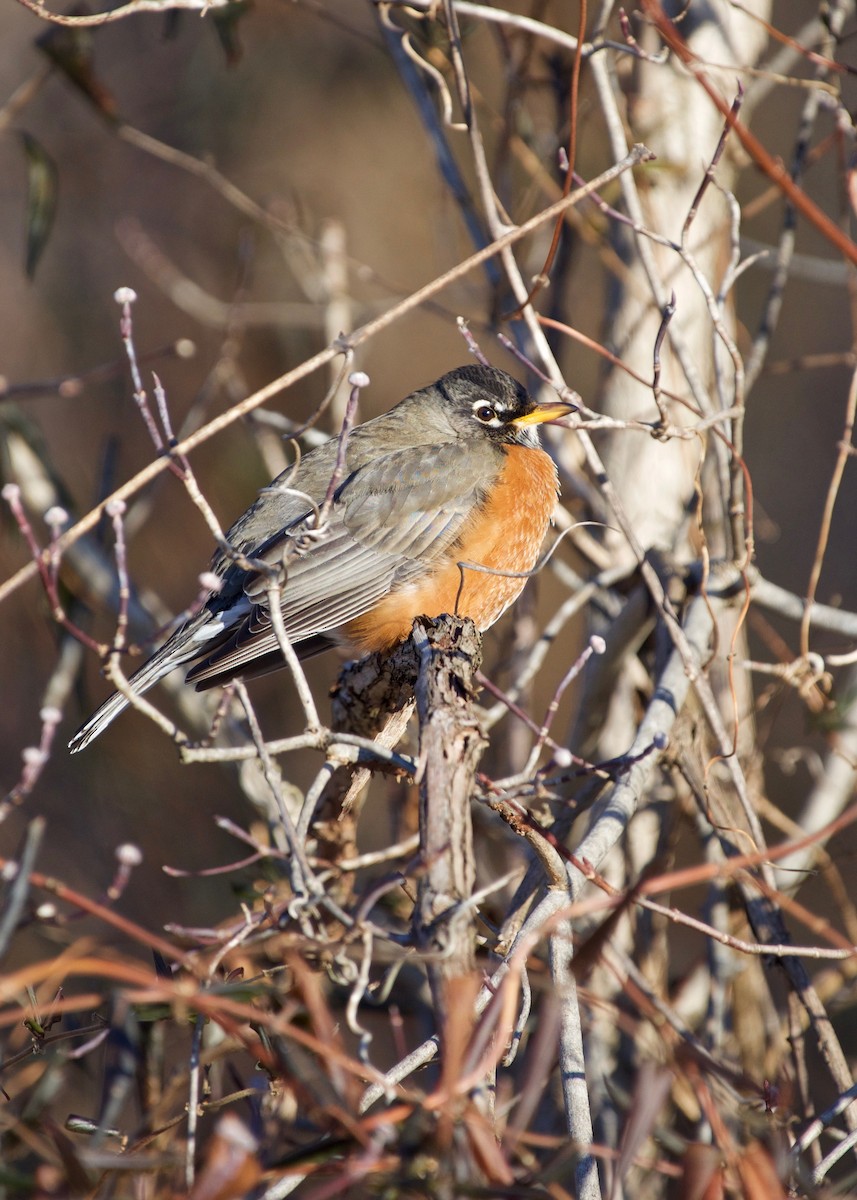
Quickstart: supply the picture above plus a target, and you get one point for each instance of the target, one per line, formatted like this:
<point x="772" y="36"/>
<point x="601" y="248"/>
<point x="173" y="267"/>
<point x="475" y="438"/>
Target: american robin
<point x="453" y="474"/>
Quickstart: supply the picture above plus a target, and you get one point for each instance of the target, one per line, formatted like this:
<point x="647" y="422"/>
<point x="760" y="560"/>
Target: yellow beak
<point x="549" y="411"/>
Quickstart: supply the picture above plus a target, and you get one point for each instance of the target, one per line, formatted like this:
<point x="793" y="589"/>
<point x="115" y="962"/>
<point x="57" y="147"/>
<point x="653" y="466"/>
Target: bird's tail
<point x="200" y="634"/>
<point x="156" y="668"/>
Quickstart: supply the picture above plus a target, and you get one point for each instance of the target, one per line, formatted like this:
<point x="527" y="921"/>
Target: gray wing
<point x="392" y="517"/>
<point x="390" y="520"/>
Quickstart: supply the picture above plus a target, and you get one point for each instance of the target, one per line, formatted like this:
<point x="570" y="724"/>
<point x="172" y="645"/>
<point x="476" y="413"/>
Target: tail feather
<point x="201" y="634"/>
<point x="156" y="668"/>
<point x="110" y="709"/>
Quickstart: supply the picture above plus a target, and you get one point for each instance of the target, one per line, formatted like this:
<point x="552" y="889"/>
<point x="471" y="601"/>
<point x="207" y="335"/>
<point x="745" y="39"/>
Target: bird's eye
<point x="485" y="413"/>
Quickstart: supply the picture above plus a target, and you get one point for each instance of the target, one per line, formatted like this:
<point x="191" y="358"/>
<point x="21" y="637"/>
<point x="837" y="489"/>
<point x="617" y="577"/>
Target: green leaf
<point x="70" y="50"/>
<point x="226" y="21"/>
<point x="41" y="199"/>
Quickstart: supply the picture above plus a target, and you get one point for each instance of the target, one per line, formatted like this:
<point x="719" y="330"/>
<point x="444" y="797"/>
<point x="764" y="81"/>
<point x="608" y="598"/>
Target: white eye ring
<point x="485" y="413"/>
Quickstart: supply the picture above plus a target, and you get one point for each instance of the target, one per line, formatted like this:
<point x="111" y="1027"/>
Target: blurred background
<point x="299" y="106"/>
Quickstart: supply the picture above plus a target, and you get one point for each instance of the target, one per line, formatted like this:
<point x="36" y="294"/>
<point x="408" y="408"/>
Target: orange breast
<point x="505" y="534"/>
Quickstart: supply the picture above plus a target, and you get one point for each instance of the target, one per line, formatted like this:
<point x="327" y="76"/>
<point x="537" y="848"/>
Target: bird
<point x="453" y="474"/>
